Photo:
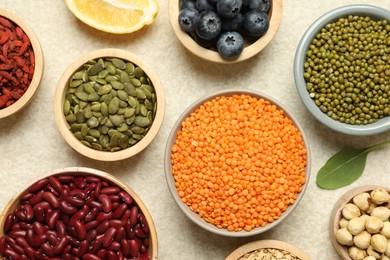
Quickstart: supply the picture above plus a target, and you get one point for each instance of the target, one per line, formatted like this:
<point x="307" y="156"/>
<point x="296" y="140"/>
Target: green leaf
<point x="344" y="167"/>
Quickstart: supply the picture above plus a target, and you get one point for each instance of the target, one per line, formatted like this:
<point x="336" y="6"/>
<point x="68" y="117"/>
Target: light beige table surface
<point x="30" y="144"/>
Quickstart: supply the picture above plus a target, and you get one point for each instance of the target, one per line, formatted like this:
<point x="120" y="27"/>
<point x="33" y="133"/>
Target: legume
<point x="347" y="70"/>
<point x="110" y="104"/>
<point x="238" y="162"/>
<point x="68" y="216"/>
<point x="17" y="62"/>
<point x="269" y="254"/>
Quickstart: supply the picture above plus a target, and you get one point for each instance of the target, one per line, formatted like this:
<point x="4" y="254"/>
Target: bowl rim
<point x="249" y="51"/>
<point x="25" y="99"/>
<point x="268" y="243"/>
<point x="171" y="183"/>
<point x="335" y="215"/>
<point x="374" y="12"/>
<point x="84" y="171"/>
<point x="63" y="126"/>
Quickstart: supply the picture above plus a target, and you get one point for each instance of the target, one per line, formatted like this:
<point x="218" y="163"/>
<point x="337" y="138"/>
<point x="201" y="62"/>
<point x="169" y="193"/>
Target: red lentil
<point x="17" y="62"/>
<point x="238" y="162"/>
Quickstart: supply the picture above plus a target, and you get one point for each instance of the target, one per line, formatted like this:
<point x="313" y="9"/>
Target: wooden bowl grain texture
<point x="250" y="49"/>
<point x="64" y="127"/>
<point x="335" y="216"/>
<point x="82" y="171"/>
<point x="38" y="71"/>
<point x="255" y="245"/>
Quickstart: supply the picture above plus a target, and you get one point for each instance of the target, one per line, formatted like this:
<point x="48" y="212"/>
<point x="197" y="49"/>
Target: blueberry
<point x="230" y="45"/>
<point x="232" y="24"/>
<point x="187" y="4"/>
<point x="204" y="5"/>
<point x="255" y="23"/>
<point x="188" y="18"/>
<point x="229" y="8"/>
<point x="208" y="25"/>
<point x="208" y="44"/>
<point x="262" y="5"/>
<point x="265" y="5"/>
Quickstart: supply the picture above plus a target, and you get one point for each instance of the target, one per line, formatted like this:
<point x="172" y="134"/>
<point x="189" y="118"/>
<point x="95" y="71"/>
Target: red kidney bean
<point x="115" y="205"/>
<point x="90" y="179"/>
<point x="114" y="198"/>
<point x="91" y="225"/>
<point x="9" y="222"/>
<point x="125" y="216"/>
<point x="22" y="225"/>
<point x="52" y="217"/>
<point x="97" y="189"/>
<point x="120" y="255"/>
<point x="133" y="248"/>
<point x="30" y="252"/>
<point x="104" y="216"/>
<point x="115" y="246"/>
<point x="125" y="245"/>
<point x="67" y="249"/>
<point x="71" y="231"/>
<point x="111" y="255"/>
<point x="91" y="257"/>
<point x="90" y="189"/>
<point x="144" y="223"/>
<point x="91" y="235"/>
<point x="14" y="233"/>
<point x="11" y="253"/>
<point x="80" y="182"/>
<point x="38" y="185"/>
<point x="109" y="236"/>
<point x="61" y="229"/>
<point x="80" y="230"/>
<point x="96" y="244"/>
<point x="74" y="201"/>
<point x="2" y="243"/>
<point x="133" y="215"/>
<point x="67" y="208"/>
<point x="27" y="196"/>
<point x="115" y="223"/>
<point x="102" y="253"/>
<point x="48" y="250"/>
<point x="36" y="198"/>
<point x="34" y="241"/>
<point x="106" y="203"/>
<point x="51" y="199"/>
<point x="53" y="239"/>
<point x="125" y="197"/>
<point x="91" y="215"/>
<point x="145" y="242"/>
<point x="102" y="227"/>
<point x="80" y="214"/>
<point x="130" y="234"/>
<point x="78" y="193"/>
<point x="73" y="241"/>
<point x="66" y="178"/>
<point x="110" y="190"/>
<point x="40" y="255"/>
<point x="50" y="189"/>
<point x="94" y="204"/>
<point x="120" y="234"/>
<point x="56" y="184"/>
<point x="43" y="204"/>
<point x="18" y="249"/>
<point x="82" y="250"/>
<point x="104" y="184"/>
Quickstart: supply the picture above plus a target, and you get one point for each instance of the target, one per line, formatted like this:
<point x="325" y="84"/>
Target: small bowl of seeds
<point x="359" y="224"/>
<point x="268" y="249"/>
<point x="237" y="163"/>
<point x="21" y="63"/>
<point x="225" y="31"/>
<point x="341" y="69"/>
<point x="109" y="105"/>
<point x="77" y="212"/>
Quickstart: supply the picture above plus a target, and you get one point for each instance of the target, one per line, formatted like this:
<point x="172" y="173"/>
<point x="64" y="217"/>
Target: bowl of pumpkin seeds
<point x="109" y="105"/>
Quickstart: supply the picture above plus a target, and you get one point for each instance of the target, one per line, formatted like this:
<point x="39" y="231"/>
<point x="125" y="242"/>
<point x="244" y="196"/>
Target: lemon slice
<point x="114" y="16"/>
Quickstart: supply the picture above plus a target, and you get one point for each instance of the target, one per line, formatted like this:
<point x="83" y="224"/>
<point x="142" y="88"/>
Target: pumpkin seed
<point x="130" y="89"/>
<point x="85" y="143"/>
<point x="93" y="96"/>
<point x="88" y="113"/>
<point x="96" y="107"/>
<point x="130" y="120"/>
<point x="109" y="124"/>
<point x="118" y="63"/>
<point x="124" y="141"/>
<point x="111" y="78"/>
<point x="83" y="104"/>
<point x="116" y="85"/>
<point x="105" y="89"/>
<point x="103" y="129"/>
<point x="88" y="88"/>
<point x="84" y="130"/>
<point x="78" y="75"/>
<point x="106" y="98"/>
<point x="71" y="118"/>
<point x="113" y="106"/>
<point x="97" y="146"/>
<point x="111" y="69"/>
<point x="94" y="132"/>
<point x="124" y="77"/>
<point x="92" y="122"/>
<point x="75" y="83"/>
<point x="114" y="140"/>
<point x="132" y="141"/>
<point x="94" y="69"/>
<point x="78" y="135"/>
<point x="82" y="95"/>
<point x="91" y="139"/>
<point x="135" y="82"/>
<point x="102" y="74"/>
<point x="115" y="149"/>
<point x="149" y="105"/>
<point x="101" y="81"/>
<point x="141" y="121"/>
<point x="132" y="102"/>
<point x="101" y="62"/>
<point x="111" y="132"/>
<point x="138" y="72"/>
<point x="137" y="137"/>
<point x="85" y="77"/>
<point x="143" y="110"/>
<point x="122" y="95"/>
<point x="66" y="107"/>
<point x="104" y="140"/>
<point x="129" y="68"/>
<point x="146" y="91"/>
<point x="80" y="118"/>
<point x="116" y="120"/>
<point x="143" y="80"/>
<point x="129" y="112"/>
<point x="123" y="127"/>
<point x="137" y="130"/>
<point x="75" y="127"/>
<point x="140" y="94"/>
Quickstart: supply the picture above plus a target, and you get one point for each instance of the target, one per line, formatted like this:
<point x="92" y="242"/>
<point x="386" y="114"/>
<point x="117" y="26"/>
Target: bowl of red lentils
<point x="21" y="63"/>
<point x="237" y="162"/>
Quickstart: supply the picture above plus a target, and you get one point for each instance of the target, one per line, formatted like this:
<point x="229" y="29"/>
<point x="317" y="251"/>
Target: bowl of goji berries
<point x="237" y="163"/>
<point x="21" y="63"/>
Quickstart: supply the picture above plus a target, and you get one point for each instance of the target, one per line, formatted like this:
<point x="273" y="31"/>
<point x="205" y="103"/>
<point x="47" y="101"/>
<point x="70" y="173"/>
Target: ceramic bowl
<point x="336" y="215"/>
<point x="152" y="249"/>
<point x="38" y="67"/>
<point x="251" y="47"/>
<point x="171" y="181"/>
<point x="267" y="244"/>
<point x="375" y="13"/>
<point x="64" y="126"/>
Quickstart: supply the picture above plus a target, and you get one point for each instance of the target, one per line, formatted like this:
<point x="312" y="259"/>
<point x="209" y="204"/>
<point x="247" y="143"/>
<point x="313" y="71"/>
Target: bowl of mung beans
<point x="268" y="249"/>
<point x="77" y="212"/>
<point x="342" y="69"/>
<point x="237" y="163"/>
<point x="21" y="65"/>
<point x="109" y="105"/>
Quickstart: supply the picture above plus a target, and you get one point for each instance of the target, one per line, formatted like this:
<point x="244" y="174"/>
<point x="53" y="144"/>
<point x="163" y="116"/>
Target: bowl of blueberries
<point x="225" y="31"/>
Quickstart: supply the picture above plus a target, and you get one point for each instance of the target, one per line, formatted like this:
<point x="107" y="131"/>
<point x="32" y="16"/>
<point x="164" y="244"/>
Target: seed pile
<point x="110" y="104"/>
<point x="17" y="62"/>
<point x="238" y="162"/>
<point x="269" y="254"/>
<point x="347" y="70"/>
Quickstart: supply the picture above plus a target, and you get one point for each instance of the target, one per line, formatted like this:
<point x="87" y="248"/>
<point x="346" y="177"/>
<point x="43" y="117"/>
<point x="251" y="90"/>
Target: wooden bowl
<point x="81" y="171"/>
<point x="64" y="127"/>
<point x="36" y="79"/>
<point x="193" y="216"/>
<point x="335" y="216"/>
<point x="251" y="48"/>
<point x="255" y="245"/>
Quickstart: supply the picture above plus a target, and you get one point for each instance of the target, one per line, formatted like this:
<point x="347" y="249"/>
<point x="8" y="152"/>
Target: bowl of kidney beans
<point x="77" y="213"/>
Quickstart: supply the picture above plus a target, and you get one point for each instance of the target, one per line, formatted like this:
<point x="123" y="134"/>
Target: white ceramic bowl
<point x="171" y="181"/>
<point x="375" y="13"/>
